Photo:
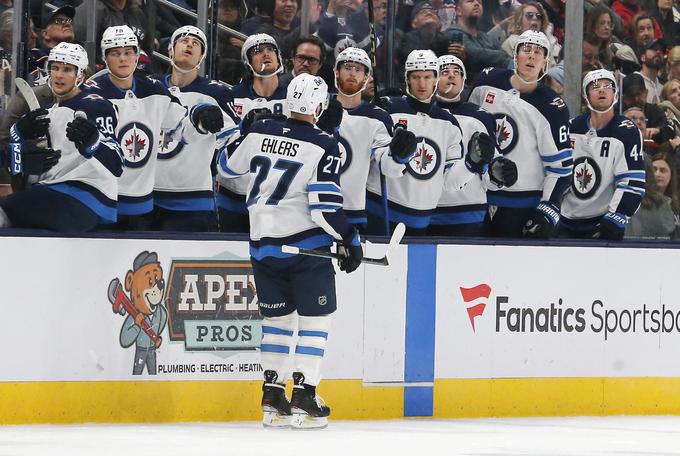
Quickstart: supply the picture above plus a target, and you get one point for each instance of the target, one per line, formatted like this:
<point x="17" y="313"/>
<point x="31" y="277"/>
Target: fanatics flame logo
<point x="475" y="299"/>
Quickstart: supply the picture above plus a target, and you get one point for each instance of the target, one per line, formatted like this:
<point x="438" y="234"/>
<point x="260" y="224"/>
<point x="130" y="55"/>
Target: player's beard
<point x="350" y="87"/>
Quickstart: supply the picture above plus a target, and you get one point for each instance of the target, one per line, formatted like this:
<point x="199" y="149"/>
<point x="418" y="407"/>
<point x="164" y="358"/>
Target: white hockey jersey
<point x="232" y="192"/>
<point x="609" y="171"/>
<point x="533" y="131"/>
<point x="183" y="178"/>
<point x="413" y="197"/>
<point x="469" y="204"/>
<point x="143" y="112"/>
<point x="92" y="181"/>
<point x="365" y="134"/>
<point x="294" y="194"/>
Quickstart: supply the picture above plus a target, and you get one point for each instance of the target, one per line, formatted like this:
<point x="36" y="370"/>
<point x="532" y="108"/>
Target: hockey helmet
<point x="356" y="55"/>
<point x="188" y="30"/>
<point x="258" y="40"/>
<point x="71" y="53"/>
<point x="597" y="75"/>
<point x="533" y="37"/>
<point x="446" y="60"/>
<point x="119" y="36"/>
<point x="305" y="93"/>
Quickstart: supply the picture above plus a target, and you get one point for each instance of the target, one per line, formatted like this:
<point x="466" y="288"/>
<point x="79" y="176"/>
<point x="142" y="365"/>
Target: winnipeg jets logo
<point x="168" y="147"/>
<point x="507" y="133"/>
<point x="136" y="140"/>
<point x="427" y="160"/>
<point x="586" y="178"/>
<point x="93" y="96"/>
<point x="345" y="154"/>
<point x="91" y="83"/>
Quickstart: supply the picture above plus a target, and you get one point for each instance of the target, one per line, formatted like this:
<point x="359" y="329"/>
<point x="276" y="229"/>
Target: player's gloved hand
<point x="480" y="152"/>
<point x="666" y="132"/>
<point x="542" y="222"/>
<point x="331" y="117"/>
<point x="84" y="134"/>
<point x="612" y="226"/>
<point x="403" y="144"/>
<point x="252" y="117"/>
<point x="503" y="172"/>
<point x="207" y="118"/>
<point x="33" y="125"/>
<point x="31" y="158"/>
<point x="351" y="250"/>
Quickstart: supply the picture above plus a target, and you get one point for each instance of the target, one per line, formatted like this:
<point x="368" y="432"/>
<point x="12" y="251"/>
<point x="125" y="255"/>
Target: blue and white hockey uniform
<point x="92" y="182"/>
<point x="231" y="196"/>
<point x="365" y="134"/>
<point x="469" y="205"/>
<point x="183" y="178"/>
<point x="144" y="111"/>
<point x="533" y="131"/>
<point x="294" y="194"/>
<point x="413" y="197"/>
<point x="609" y="173"/>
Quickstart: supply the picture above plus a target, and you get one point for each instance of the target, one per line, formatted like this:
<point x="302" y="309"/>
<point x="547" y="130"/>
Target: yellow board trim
<point x="516" y="397"/>
<point x="176" y="401"/>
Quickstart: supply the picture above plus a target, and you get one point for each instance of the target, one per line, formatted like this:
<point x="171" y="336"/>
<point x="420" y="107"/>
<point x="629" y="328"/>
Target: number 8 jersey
<point x="294" y="195"/>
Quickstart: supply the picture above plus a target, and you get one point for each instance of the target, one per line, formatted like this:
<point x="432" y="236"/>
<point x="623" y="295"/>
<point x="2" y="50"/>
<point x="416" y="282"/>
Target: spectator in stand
<point x="309" y="56"/>
<point x="655" y="219"/>
<point x="670" y="25"/>
<point x="57" y="27"/>
<point x="599" y="23"/>
<point x="555" y="10"/>
<point x="665" y="170"/>
<point x="6" y="29"/>
<point x="230" y="69"/>
<point x="425" y="31"/>
<point x="673" y="64"/>
<point x="589" y="5"/>
<point x="529" y="16"/>
<point x="644" y="30"/>
<point x="651" y="58"/>
<point x="6" y="5"/>
<point x="343" y="24"/>
<point x="262" y="17"/>
<point x="117" y="12"/>
<point x="626" y="9"/>
<point x="477" y="51"/>
<point x="591" y="53"/>
<point x="671" y="93"/>
<point x="555" y="78"/>
<point x="637" y="116"/>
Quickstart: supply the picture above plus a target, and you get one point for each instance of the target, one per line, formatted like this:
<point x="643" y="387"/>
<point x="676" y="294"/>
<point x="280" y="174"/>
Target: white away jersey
<point x="533" y="131"/>
<point x="609" y="169"/>
<point x="413" y="197"/>
<point x="143" y="112"/>
<point x="232" y="191"/>
<point x="294" y="196"/>
<point x="183" y="178"/>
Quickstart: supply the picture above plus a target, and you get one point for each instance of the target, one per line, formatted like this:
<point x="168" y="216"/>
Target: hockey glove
<point x="331" y="117"/>
<point x="480" y="152"/>
<point x="351" y="250"/>
<point x="503" y="172"/>
<point x="84" y="134"/>
<point x="33" y="125"/>
<point x="252" y="117"/>
<point x="612" y="226"/>
<point x="207" y="118"/>
<point x="403" y="144"/>
<point x="666" y="132"/>
<point x="30" y="158"/>
<point x="542" y="222"/>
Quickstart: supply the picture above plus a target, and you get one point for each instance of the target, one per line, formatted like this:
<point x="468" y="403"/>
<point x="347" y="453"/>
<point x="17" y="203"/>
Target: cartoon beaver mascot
<point x="146" y="314"/>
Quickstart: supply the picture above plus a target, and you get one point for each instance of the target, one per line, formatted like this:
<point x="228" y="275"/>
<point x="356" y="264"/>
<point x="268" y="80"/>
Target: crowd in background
<point x="638" y="40"/>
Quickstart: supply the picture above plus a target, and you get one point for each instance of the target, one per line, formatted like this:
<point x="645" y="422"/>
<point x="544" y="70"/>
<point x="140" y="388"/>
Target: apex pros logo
<point x="475" y="299"/>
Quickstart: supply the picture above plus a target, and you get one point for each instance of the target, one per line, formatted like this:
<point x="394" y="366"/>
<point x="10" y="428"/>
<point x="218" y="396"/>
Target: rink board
<point x="445" y="331"/>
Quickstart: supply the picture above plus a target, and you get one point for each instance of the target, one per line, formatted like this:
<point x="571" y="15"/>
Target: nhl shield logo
<point x="587" y="177"/>
<point x="427" y="160"/>
<point x="136" y="140"/>
<point x="507" y="133"/>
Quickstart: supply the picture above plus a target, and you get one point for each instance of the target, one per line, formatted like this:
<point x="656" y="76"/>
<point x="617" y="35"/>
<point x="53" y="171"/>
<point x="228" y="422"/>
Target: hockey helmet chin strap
<point x="363" y="87"/>
<point x="266" y="76"/>
<point x="204" y="53"/>
<point x="132" y="73"/>
<point x="429" y="99"/>
<point x="590" y="106"/>
<point x="81" y="76"/>
<point x="524" y="81"/>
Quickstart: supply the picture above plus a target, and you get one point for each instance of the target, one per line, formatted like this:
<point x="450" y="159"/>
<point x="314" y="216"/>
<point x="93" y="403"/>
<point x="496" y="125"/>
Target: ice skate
<point x="275" y="404"/>
<point x="309" y="410"/>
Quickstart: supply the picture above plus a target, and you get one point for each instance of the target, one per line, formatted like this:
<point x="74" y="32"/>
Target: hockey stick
<point x="397" y="235"/>
<point x="27" y="92"/>
<point x="374" y="60"/>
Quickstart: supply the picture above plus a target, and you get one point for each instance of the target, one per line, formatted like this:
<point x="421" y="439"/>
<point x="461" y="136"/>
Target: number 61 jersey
<point x="609" y="169"/>
<point x="294" y="195"/>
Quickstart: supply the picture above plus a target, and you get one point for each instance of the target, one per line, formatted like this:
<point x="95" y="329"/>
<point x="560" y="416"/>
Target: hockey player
<point x="294" y="197"/>
<point x="145" y="109"/>
<point x="439" y="159"/>
<point x="365" y="134"/>
<point x="462" y="212"/>
<point x="183" y="191"/>
<point x="261" y="56"/>
<point x="76" y="176"/>
<point x="532" y="122"/>
<point x="609" y="168"/>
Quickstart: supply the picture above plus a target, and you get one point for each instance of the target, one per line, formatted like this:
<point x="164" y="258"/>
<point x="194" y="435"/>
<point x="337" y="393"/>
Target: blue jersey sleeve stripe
<point x="639" y="191"/>
<point x="556" y="157"/>
<point x="562" y="171"/>
<point x="302" y="350"/>
<point x="328" y="187"/>
<point x="321" y="334"/>
<point x="273" y="348"/>
<point x="277" y="331"/>
<point x="633" y="175"/>
<point x="325" y="207"/>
